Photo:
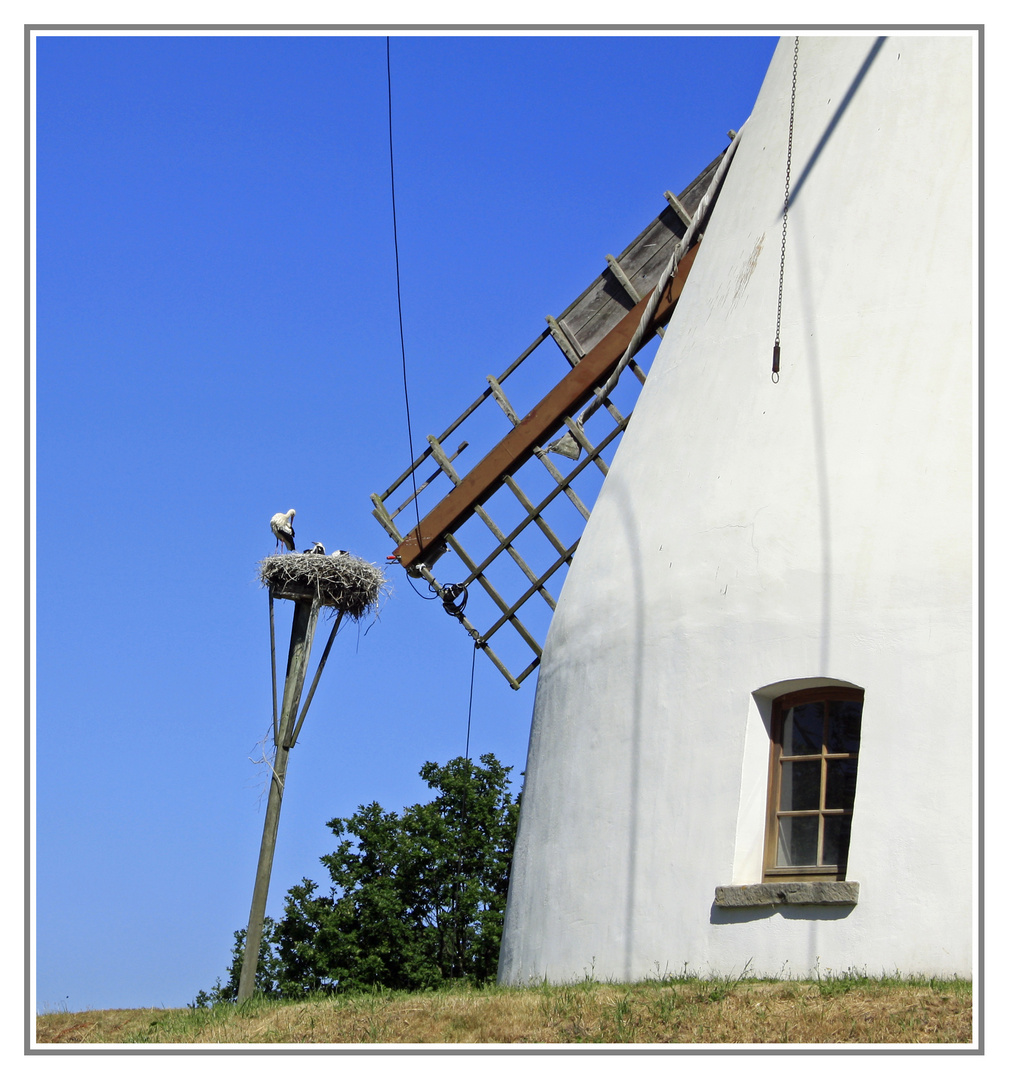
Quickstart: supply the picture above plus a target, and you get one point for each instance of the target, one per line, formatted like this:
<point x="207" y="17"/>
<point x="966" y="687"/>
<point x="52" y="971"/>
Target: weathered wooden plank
<point x="625" y="282"/>
<point x="588" y="319"/>
<point x="680" y="209"/>
<point x="563" y="342"/>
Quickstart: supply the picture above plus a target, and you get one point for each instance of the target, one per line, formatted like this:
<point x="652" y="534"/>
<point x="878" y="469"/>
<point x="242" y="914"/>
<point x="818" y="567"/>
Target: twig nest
<point x="344" y="582"/>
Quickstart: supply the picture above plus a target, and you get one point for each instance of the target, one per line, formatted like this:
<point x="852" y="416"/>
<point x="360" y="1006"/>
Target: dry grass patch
<point x="98" y="1026"/>
<point x="839" y="1011"/>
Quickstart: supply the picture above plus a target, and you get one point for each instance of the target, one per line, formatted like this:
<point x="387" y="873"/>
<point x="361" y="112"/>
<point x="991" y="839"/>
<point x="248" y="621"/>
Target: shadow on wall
<point x="632" y="537"/>
<point x="800" y="912"/>
<point x="835" y="119"/>
<point x="810" y="350"/>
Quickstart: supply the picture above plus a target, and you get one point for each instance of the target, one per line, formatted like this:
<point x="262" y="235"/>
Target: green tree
<point x="266" y="971"/>
<point x="416" y="898"/>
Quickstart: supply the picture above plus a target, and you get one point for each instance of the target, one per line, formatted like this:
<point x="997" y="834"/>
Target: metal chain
<point x="784" y="218"/>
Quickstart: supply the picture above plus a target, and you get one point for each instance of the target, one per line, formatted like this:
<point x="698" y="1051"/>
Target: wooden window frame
<point x="779" y="709"/>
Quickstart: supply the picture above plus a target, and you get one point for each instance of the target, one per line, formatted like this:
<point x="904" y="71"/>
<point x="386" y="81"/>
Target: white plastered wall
<point x="751" y="533"/>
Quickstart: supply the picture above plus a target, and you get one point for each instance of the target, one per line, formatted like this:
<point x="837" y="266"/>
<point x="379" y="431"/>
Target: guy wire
<point x="465" y="795"/>
<point x="469" y="715"/>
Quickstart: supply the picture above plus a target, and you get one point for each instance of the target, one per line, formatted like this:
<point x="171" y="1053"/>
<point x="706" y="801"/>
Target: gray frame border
<point x="481" y="30"/>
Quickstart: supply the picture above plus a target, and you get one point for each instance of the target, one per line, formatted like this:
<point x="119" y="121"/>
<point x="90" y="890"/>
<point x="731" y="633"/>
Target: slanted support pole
<point x="306" y="613"/>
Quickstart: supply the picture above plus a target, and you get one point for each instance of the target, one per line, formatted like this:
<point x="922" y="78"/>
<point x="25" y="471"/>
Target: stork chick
<point x="283" y="529"/>
<point x="315" y="549"/>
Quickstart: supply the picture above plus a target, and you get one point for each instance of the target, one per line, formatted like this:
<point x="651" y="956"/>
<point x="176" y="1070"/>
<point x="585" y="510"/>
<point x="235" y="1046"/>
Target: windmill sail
<point x="591" y="334"/>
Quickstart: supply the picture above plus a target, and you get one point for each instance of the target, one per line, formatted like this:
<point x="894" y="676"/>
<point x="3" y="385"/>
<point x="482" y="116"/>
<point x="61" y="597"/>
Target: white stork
<point x="315" y="549"/>
<point x="283" y="529"/>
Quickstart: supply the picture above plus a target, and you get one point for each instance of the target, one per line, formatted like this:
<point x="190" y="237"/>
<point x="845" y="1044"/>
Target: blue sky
<point x="217" y="340"/>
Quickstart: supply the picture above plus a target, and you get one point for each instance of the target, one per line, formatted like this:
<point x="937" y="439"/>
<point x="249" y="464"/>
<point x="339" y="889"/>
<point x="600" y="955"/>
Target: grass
<point x="832" y="1009"/>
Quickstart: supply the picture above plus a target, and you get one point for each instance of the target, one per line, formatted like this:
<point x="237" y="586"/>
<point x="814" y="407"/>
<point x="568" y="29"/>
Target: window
<point x="811" y="790"/>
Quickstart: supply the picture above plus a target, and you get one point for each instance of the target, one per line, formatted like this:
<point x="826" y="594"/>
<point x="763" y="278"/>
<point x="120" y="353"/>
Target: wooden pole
<point x="306" y="613"/>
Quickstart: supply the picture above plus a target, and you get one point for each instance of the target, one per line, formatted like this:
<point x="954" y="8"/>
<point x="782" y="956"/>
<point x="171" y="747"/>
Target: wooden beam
<point x="573" y="391"/>
<point x="681" y="211"/>
<point x="306" y="614"/>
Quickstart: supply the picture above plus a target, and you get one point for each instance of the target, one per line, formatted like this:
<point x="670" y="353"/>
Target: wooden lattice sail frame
<point x="592" y="334"/>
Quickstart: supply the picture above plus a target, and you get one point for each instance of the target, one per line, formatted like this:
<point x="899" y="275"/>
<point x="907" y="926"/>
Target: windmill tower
<point x="753" y="731"/>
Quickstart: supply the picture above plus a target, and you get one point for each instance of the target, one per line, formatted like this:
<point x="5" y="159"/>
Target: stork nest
<point x="344" y="582"/>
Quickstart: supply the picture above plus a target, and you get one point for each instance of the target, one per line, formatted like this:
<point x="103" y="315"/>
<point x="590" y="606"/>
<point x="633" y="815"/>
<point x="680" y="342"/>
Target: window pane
<point x="797" y="840"/>
<point x="800" y="785"/>
<point x="836" y="834"/>
<point x="840" y="793"/>
<point x="803" y="730"/>
<point x="844" y="727"/>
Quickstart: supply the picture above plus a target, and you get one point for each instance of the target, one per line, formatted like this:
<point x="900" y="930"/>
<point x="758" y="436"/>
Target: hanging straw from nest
<point x="344" y="582"/>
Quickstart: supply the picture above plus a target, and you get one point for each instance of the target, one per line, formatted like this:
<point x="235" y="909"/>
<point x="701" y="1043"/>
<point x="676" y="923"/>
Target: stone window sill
<point x="787" y="892"/>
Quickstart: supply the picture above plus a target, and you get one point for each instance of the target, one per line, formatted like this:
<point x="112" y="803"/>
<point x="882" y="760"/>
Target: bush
<point x="416" y="898"/>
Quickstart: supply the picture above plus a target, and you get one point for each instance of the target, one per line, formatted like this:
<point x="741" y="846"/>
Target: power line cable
<point x="454" y="595"/>
<point x="399" y="291"/>
<point x="399" y="304"/>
